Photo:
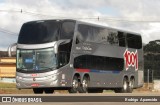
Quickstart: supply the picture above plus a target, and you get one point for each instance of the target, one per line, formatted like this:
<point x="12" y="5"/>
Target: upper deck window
<point x="45" y="31"/>
<point x="134" y="41"/>
<point x="38" y="32"/>
<point x="67" y="30"/>
<point x="122" y="39"/>
<point x="95" y="34"/>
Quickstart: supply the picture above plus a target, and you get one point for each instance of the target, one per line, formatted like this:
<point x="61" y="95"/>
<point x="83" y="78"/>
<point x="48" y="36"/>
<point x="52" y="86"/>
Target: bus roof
<point x="87" y="23"/>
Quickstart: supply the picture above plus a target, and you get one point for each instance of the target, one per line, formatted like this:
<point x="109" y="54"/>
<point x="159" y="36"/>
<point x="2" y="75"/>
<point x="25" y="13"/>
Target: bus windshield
<point x="39" y="32"/>
<point x="34" y="60"/>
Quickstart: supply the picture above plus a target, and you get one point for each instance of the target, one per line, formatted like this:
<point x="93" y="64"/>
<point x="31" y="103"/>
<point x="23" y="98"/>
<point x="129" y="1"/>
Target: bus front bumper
<point x="24" y="81"/>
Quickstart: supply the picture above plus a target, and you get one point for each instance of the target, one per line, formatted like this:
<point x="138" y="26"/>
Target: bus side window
<point x="134" y="41"/>
<point x="112" y="37"/>
<point x="67" y="30"/>
<point x="102" y="36"/>
<point x="82" y="32"/>
<point x="85" y="33"/>
<point x="121" y="38"/>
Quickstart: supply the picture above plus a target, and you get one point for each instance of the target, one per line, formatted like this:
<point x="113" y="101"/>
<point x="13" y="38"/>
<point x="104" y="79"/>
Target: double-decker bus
<point x="77" y="56"/>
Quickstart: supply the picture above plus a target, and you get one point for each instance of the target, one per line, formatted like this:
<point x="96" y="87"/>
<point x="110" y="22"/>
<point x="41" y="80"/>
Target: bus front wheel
<point x="37" y="90"/>
<point x="48" y="90"/>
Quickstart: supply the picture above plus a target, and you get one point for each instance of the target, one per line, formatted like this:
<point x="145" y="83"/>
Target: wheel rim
<point x="85" y="85"/>
<point x="125" y="85"/>
<point x="131" y="84"/>
<point x="75" y="84"/>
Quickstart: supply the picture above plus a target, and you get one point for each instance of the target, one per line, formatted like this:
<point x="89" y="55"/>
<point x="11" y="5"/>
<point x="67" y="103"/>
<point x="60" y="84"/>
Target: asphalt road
<point x="87" y="99"/>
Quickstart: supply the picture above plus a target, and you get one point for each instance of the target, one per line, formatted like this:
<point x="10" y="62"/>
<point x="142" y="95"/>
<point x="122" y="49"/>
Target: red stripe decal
<point x="82" y="70"/>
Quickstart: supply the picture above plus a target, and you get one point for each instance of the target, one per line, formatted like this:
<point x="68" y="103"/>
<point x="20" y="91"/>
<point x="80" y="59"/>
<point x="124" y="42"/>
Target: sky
<point x="141" y="16"/>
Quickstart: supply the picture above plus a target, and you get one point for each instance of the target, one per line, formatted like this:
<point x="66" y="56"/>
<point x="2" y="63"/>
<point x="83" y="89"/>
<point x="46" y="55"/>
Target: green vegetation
<point x="152" y="47"/>
<point x="10" y="88"/>
<point x="7" y="85"/>
<point x="152" y="59"/>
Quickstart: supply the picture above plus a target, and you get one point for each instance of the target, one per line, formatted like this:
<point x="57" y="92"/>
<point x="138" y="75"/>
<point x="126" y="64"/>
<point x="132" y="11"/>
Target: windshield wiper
<point x="25" y="69"/>
<point x="50" y="68"/>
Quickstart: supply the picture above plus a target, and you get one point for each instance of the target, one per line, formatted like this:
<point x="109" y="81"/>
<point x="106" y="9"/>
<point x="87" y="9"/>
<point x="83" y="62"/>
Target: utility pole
<point x="98" y="18"/>
<point x="148" y="78"/>
<point x="152" y="76"/>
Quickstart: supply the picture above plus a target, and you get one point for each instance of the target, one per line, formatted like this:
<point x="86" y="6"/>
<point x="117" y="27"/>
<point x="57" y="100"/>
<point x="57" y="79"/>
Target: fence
<point x="152" y="79"/>
<point x="150" y="75"/>
<point x="7" y="67"/>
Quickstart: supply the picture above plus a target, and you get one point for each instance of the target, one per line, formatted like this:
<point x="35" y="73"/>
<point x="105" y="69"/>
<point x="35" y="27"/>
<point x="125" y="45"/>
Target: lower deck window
<point x="98" y="62"/>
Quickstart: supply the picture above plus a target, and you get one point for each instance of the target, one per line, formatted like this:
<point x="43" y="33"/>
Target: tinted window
<point x="97" y="34"/>
<point x="91" y="34"/>
<point x="38" y="32"/>
<point x="121" y="38"/>
<point x="64" y="50"/>
<point x="112" y="37"/>
<point x="80" y="62"/>
<point x="98" y="62"/>
<point x="134" y="41"/>
<point x="84" y="33"/>
<point x="102" y="36"/>
<point x="67" y="30"/>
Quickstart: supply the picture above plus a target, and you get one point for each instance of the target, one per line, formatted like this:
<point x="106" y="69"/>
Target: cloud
<point x="5" y="41"/>
<point x="153" y="33"/>
<point x="111" y="13"/>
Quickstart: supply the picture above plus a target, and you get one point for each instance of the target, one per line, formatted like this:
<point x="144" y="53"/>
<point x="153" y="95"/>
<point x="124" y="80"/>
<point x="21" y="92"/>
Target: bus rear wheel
<point x="131" y="85"/>
<point x="75" y="85"/>
<point x="124" y="88"/>
<point x="84" y="86"/>
<point x="37" y="90"/>
<point x="48" y="90"/>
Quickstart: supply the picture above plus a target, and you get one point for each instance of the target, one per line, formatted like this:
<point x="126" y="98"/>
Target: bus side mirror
<point x="10" y="49"/>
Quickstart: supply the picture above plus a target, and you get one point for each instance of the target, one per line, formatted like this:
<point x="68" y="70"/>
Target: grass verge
<point x="10" y="88"/>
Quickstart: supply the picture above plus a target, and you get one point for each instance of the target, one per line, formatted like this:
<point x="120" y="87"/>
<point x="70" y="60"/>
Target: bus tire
<point x="95" y="90"/>
<point x="75" y="85"/>
<point x="131" y="85"/>
<point x="124" y="88"/>
<point x="48" y="90"/>
<point x="38" y="90"/>
<point x="83" y="88"/>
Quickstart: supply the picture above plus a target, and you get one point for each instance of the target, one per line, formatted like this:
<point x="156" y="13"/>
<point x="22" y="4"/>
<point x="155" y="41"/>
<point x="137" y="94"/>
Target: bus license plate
<point x="35" y="85"/>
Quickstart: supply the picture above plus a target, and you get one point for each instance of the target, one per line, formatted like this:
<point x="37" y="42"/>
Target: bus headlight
<point x="18" y="77"/>
<point x="54" y="82"/>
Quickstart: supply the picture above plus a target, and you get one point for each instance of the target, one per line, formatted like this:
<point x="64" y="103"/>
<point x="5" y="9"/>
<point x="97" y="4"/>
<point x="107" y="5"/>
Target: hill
<point x="152" y="59"/>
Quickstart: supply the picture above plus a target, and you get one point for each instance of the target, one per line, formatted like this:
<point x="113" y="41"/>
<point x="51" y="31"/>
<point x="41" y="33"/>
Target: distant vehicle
<point x="78" y="56"/>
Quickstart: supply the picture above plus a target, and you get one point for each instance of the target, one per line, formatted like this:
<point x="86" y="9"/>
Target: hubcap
<point x="75" y="84"/>
<point x="131" y="84"/>
<point x="125" y="85"/>
<point x="85" y="85"/>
